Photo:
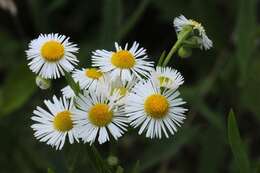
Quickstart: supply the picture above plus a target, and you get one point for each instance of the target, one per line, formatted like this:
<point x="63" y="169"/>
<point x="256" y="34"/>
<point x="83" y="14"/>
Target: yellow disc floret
<point x="100" y="115"/>
<point x="93" y="73"/>
<point x="123" y="59"/>
<point x="62" y="121"/>
<point x="156" y="106"/>
<point x="52" y="51"/>
<point x="197" y="25"/>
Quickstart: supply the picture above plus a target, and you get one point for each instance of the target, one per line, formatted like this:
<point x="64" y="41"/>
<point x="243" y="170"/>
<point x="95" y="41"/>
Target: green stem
<point x="175" y="47"/>
<point x="99" y="164"/>
<point x="73" y="85"/>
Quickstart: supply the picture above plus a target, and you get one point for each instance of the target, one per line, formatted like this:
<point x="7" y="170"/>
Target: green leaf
<point x="74" y="86"/>
<point x="97" y="161"/>
<point x="237" y="145"/>
<point x="249" y="97"/>
<point x="165" y="149"/>
<point x="130" y="23"/>
<point x="214" y="143"/>
<point x="50" y="170"/>
<point x="119" y="169"/>
<point x="112" y="14"/>
<point x="246" y="26"/>
<point x="18" y="88"/>
<point x="136" y="168"/>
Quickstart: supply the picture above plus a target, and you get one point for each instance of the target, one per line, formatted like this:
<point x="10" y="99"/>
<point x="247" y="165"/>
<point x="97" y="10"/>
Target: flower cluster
<point x="121" y="89"/>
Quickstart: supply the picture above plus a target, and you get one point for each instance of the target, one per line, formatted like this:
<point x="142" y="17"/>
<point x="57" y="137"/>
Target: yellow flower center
<point x="62" y="121"/>
<point x="156" y="106"/>
<point x="123" y="59"/>
<point x="52" y="51"/>
<point x="164" y="80"/>
<point x="93" y="73"/>
<point x="197" y="25"/>
<point x="100" y="115"/>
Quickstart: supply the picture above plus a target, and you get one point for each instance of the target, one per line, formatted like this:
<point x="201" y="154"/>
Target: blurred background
<point x="225" y="77"/>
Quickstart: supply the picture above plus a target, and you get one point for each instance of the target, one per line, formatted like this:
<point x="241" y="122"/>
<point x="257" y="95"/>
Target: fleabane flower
<point x="123" y="62"/>
<point x="88" y="78"/>
<point x="167" y="77"/>
<point x="53" y="126"/>
<point x="68" y="92"/>
<point x="154" y="110"/>
<point x="98" y="116"/>
<point x="51" y="55"/>
<point x="124" y="88"/>
<point x="181" y="22"/>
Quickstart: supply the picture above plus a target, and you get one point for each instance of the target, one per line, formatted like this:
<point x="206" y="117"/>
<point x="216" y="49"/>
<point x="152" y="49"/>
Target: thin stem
<point x="99" y="164"/>
<point x="176" y="46"/>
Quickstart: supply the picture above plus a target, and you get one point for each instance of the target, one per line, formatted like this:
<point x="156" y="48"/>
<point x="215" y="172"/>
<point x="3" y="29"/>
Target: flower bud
<point x="184" y="52"/>
<point x="43" y="83"/>
<point x="112" y="160"/>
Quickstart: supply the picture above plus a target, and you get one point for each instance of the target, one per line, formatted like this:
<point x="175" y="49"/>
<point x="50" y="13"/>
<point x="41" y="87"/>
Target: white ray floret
<point x="68" y="92"/>
<point x="54" y="125"/>
<point x="98" y="116"/>
<point x="181" y="22"/>
<point x="123" y="62"/>
<point x="88" y="78"/>
<point x="154" y="110"/>
<point x="50" y="55"/>
<point x="167" y="77"/>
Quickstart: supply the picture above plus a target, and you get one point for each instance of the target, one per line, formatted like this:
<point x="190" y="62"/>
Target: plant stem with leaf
<point x="182" y="37"/>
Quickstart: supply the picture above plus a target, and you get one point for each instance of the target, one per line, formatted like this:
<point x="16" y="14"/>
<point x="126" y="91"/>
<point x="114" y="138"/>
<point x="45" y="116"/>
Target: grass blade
<point x="237" y="145"/>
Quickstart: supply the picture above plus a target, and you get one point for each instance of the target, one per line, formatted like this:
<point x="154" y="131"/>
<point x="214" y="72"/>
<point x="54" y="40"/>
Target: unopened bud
<point x="112" y="160"/>
<point x="184" y="52"/>
<point x="43" y="83"/>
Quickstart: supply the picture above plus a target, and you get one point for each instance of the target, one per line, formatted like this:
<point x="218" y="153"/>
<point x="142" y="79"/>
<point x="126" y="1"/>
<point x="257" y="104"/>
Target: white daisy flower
<point x="88" y="78"/>
<point x="123" y="62"/>
<point x="55" y="125"/>
<point x="156" y="111"/>
<point x="182" y="22"/>
<point x="167" y="77"/>
<point x="98" y="116"/>
<point x="123" y="87"/>
<point x="68" y="92"/>
<point x="51" y="54"/>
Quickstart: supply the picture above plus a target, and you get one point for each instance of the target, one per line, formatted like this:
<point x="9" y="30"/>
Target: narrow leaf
<point x="237" y="145"/>
<point x="246" y="26"/>
<point x="111" y="21"/>
<point x="50" y="170"/>
<point x="136" y="168"/>
<point x="74" y="86"/>
<point x="133" y="19"/>
<point x="17" y="90"/>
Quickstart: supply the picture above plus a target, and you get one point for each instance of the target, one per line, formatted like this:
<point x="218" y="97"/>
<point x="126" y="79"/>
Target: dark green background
<point x="227" y="76"/>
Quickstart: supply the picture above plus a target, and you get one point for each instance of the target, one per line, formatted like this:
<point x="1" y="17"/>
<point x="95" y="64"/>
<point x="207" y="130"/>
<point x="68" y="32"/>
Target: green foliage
<point x="250" y="96"/>
<point x="74" y="86"/>
<point x="16" y="90"/>
<point x="112" y="15"/>
<point x="136" y="168"/>
<point x="237" y="145"/>
<point x="212" y="151"/>
<point x="210" y="87"/>
<point x="246" y="23"/>
<point x="50" y="170"/>
<point x="165" y="149"/>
